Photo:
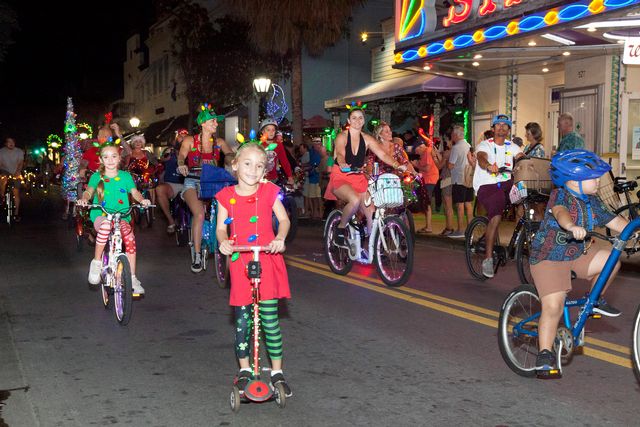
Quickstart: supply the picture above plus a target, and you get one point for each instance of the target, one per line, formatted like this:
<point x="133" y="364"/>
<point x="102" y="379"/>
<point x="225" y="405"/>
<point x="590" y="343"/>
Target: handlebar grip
<point x="591" y="234"/>
<point x="248" y="248"/>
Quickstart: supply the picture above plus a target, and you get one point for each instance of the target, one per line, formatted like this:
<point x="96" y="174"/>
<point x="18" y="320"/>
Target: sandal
<point x="424" y="230"/>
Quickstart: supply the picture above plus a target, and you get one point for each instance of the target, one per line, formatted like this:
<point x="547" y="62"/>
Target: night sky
<point x="65" y="49"/>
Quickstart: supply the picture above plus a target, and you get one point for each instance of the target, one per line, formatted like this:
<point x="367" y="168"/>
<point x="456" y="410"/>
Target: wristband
<point x="180" y="162"/>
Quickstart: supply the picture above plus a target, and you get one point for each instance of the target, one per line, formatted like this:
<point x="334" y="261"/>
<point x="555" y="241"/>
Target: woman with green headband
<point x="202" y="148"/>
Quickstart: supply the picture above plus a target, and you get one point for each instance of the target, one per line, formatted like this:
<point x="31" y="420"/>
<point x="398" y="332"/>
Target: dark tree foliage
<point x="217" y="61"/>
<point x="8" y="25"/>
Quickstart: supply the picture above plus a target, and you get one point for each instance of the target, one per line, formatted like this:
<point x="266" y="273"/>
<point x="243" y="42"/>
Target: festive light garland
<point x="72" y="155"/>
<point x="85" y="128"/>
<point x="54" y="141"/>
<point x="536" y="21"/>
<point x="277" y="106"/>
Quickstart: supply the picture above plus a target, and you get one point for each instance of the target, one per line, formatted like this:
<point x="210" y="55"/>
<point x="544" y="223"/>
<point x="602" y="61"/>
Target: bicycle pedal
<point x="595" y="315"/>
<point x="551" y="374"/>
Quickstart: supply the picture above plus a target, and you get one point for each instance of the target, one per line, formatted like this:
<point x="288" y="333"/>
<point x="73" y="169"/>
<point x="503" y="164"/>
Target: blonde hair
<point x="247" y="145"/>
<point x="101" y="170"/>
<point x="378" y="129"/>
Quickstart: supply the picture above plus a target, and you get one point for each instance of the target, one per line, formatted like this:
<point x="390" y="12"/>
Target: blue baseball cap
<point x="501" y="118"/>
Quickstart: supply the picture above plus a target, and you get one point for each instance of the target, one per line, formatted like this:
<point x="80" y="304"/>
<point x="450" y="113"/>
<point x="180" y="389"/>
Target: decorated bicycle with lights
<point x="145" y="169"/>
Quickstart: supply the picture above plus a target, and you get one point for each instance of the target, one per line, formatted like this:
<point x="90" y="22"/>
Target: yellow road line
<point x="376" y="285"/>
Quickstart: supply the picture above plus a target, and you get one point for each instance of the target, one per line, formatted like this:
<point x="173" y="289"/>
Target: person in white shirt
<point x="491" y="186"/>
<point x="11" y="162"/>
<point x="462" y="195"/>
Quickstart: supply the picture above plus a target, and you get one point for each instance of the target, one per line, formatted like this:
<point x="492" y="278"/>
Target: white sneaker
<point x="94" y="271"/>
<point x="196" y="265"/>
<point x="137" y="287"/>
<point x="487" y="267"/>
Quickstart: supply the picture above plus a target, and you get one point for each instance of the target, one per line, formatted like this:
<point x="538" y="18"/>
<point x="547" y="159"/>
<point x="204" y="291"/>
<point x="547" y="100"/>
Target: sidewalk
<point x="506" y="230"/>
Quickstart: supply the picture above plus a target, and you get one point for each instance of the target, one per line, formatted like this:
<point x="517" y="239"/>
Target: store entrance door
<point x="630" y="135"/>
<point x="584" y="105"/>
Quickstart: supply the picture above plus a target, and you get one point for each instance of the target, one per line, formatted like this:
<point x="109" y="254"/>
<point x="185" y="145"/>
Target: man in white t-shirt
<point x="11" y="162"/>
<point x="461" y="194"/>
<point x="492" y="186"/>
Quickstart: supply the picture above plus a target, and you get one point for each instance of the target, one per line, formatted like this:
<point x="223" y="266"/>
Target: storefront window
<point x="633" y="137"/>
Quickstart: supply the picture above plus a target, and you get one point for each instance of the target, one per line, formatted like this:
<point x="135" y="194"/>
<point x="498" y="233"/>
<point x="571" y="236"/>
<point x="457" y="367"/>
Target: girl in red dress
<point x="246" y="209"/>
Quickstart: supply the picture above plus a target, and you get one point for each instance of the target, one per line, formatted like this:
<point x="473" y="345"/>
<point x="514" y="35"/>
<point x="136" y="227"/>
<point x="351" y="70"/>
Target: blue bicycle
<point x="518" y="323"/>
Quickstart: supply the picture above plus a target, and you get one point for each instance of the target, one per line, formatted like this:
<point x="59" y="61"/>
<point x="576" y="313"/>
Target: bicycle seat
<point x="622" y="186"/>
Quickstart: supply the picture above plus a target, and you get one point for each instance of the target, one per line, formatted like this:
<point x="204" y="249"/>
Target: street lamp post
<point x="262" y="86"/>
<point x="134" y="122"/>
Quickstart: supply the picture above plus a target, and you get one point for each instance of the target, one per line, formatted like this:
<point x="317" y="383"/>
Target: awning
<point x="163" y="131"/>
<point x="416" y="83"/>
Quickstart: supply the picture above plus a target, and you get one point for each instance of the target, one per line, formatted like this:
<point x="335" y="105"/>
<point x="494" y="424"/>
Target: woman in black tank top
<point x="352" y="187"/>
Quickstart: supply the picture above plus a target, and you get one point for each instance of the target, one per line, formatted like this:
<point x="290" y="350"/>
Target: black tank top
<point x="355" y="160"/>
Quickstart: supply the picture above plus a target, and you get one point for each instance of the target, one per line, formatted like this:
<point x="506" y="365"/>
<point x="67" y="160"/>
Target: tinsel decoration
<point x="72" y="157"/>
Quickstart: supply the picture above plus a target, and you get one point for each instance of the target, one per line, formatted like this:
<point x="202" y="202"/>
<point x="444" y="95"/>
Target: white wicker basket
<point x="386" y="191"/>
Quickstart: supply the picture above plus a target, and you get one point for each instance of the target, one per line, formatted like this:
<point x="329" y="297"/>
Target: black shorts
<point x="461" y="194"/>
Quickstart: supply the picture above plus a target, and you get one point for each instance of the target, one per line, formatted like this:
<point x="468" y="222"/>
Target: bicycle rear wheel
<point x="519" y="348"/>
<point x="474" y="246"/>
<point x="394" y="252"/>
<point x="122" y="293"/>
<point x="337" y="257"/>
<point x="628" y="212"/>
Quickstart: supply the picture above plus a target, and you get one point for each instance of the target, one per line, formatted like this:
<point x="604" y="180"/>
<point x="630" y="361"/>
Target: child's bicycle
<point x="518" y="323"/>
<point x="257" y="390"/>
<point x="115" y="276"/>
<point x="390" y="245"/>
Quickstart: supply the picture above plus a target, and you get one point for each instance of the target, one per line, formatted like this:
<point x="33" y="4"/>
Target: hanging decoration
<point x="277" y="106"/>
<point x="54" y="141"/>
<point x="72" y="155"/>
<point x="85" y="131"/>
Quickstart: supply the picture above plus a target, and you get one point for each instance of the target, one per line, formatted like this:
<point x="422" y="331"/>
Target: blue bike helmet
<point x="501" y="118"/>
<point x="576" y="165"/>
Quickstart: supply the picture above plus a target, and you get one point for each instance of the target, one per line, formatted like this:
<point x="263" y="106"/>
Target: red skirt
<point x="337" y="179"/>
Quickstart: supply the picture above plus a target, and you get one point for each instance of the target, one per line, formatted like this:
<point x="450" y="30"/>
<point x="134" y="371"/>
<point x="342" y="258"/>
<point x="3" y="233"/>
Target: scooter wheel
<point x="234" y="399"/>
<point x="280" y="395"/>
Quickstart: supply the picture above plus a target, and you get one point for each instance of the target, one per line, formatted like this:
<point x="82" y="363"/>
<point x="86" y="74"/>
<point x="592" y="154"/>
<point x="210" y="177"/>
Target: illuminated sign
<point x="526" y="23"/>
<point x="414" y="18"/>
<point x="463" y="9"/>
<point x="631" y="51"/>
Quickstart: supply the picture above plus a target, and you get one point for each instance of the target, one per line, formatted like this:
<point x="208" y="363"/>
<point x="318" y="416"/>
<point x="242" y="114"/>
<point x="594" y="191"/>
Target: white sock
<point x="276" y="371"/>
<point x="245" y="370"/>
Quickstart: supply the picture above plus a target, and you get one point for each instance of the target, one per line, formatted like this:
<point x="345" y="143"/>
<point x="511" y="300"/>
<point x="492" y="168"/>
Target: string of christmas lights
<point x="72" y="155"/>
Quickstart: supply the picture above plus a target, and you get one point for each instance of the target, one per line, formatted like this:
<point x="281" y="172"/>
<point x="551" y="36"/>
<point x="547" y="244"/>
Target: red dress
<point x="275" y="281"/>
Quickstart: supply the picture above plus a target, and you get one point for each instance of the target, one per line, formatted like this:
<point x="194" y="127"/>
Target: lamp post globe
<point x="134" y="122"/>
<point x="262" y="85"/>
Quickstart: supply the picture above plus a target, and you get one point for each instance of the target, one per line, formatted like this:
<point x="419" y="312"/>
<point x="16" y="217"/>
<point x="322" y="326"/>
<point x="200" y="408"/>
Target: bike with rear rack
<point x="257" y="389"/>
<point x="520" y="313"/>
<point x="116" y="284"/>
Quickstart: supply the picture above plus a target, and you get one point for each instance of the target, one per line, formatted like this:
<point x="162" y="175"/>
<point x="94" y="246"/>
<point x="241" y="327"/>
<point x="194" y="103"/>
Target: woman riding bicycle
<point x="559" y="247"/>
<point x="142" y="165"/>
<point x="200" y="149"/>
<point x="351" y="188"/>
<point x="172" y="182"/>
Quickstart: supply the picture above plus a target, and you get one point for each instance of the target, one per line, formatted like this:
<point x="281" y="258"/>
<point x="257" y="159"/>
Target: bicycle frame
<point x="587" y="303"/>
<point x="355" y="239"/>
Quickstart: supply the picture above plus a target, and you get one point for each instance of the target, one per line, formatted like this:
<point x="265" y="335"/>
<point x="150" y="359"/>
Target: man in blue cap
<point x="492" y="187"/>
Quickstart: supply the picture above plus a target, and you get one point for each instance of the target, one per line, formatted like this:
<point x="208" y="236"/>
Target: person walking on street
<point x="492" y="188"/>
<point x="570" y="140"/>
<point x="11" y="162"/>
<point x="461" y="194"/>
<point x="427" y="165"/>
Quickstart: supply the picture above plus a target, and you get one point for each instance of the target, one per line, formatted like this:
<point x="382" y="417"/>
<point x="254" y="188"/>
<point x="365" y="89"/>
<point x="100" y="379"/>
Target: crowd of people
<point x="450" y="174"/>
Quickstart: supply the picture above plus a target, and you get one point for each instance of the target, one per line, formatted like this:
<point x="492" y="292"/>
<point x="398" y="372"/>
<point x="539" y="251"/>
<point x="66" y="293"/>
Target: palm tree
<point x="287" y="26"/>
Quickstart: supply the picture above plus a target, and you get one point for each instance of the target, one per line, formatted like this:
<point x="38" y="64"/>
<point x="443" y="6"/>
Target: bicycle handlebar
<point x="249" y="248"/>
<point x="121" y="212"/>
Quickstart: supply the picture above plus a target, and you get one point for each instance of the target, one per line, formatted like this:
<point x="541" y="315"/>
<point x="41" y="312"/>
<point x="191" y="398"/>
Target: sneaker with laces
<point x="605" y="309"/>
<point x="279" y="379"/>
<point x="546" y="366"/>
<point x="339" y="237"/>
<point x="457" y="235"/>
<point x="94" y="271"/>
<point x="487" y="267"/>
<point x="137" y="286"/>
<point x="243" y="379"/>
<point x="196" y="265"/>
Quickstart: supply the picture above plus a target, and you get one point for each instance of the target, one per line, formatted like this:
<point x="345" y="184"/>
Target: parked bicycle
<point x="116" y="281"/>
<point x="518" y="247"/>
<point x="629" y="210"/>
<point x="390" y="245"/>
<point x="518" y="322"/>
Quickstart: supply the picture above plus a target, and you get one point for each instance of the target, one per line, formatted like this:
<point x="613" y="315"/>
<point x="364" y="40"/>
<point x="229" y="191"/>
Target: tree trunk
<point x="296" y="94"/>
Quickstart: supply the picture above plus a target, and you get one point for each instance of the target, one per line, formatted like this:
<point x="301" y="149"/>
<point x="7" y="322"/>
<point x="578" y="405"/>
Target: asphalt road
<point x="356" y="352"/>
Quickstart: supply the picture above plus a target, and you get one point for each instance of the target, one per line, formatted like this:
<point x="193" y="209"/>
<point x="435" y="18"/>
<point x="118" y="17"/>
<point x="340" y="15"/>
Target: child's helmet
<point x="268" y="121"/>
<point x="577" y="165"/>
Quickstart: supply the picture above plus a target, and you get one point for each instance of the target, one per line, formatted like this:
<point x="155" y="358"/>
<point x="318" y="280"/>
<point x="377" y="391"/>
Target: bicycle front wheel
<point x="221" y="266"/>
<point x="122" y="292"/>
<point x="636" y="344"/>
<point x="337" y="257"/>
<point x="474" y="246"/>
<point x="523" y="250"/>
<point x="394" y="252"/>
<point x="518" y="330"/>
<point x="407" y="218"/>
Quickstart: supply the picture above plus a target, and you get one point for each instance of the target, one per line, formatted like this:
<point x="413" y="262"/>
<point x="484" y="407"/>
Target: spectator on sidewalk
<point x="427" y="165"/>
<point x="534" y="147"/>
<point x="446" y="185"/>
<point x="462" y="195"/>
<point x="570" y="140"/>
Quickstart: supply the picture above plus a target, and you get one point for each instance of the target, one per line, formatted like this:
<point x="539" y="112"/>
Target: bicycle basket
<point x="212" y="180"/>
<point x="606" y="192"/>
<point x="386" y="191"/>
<point x="534" y="175"/>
